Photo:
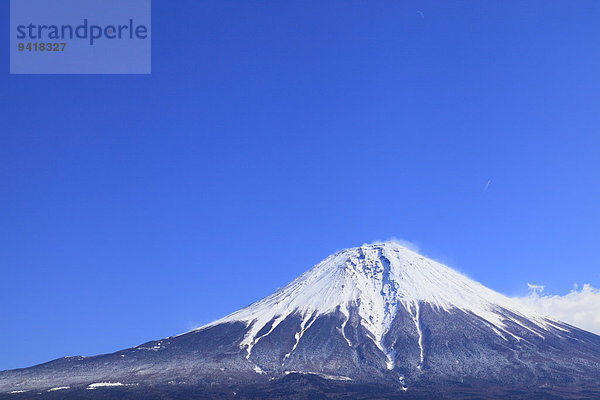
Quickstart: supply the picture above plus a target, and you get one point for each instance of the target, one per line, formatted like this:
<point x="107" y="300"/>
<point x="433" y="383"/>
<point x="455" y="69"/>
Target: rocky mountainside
<point x="376" y="321"/>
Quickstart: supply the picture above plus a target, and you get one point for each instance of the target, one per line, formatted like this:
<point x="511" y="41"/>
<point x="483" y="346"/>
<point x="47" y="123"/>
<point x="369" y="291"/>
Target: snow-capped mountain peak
<point x="377" y="280"/>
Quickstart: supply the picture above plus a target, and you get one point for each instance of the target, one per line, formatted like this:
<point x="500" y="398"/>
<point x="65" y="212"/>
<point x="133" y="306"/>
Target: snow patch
<point x="403" y="383"/>
<point x="343" y="327"/>
<point x="59" y="388"/>
<point x="250" y="340"/>
<point x="324" y="376"/>
<point x="104" y="384"/>
<point x="417" y="320"/>
<point x="303" y="328"/>
<point x="258" y="370"/>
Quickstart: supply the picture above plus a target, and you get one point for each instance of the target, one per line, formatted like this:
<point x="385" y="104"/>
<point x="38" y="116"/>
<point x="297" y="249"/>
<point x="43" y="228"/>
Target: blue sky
<point x="271" y="134"/>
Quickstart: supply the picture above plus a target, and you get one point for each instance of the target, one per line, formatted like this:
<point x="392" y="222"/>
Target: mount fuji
<point x="376" y="321"/>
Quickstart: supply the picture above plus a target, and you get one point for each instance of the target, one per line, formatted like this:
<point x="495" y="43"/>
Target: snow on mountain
<point x="377" y="318"/>
<point x="378" y="279"/>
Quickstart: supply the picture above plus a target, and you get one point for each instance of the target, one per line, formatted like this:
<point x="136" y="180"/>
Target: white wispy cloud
<point x="580" y="307"/>
<point x="487" y="185"/>
<point x="537" y="289"/>
<point x="402" y="242"/>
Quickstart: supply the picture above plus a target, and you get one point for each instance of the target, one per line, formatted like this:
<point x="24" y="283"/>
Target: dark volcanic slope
<point x="369" y="331"/>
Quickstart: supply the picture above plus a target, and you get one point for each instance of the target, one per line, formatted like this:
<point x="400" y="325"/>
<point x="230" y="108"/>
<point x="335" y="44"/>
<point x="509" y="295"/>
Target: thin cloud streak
<point x="487" y="185"/>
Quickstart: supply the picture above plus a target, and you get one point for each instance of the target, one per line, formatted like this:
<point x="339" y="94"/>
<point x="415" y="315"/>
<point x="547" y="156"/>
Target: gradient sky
<point x="271" y="134"/>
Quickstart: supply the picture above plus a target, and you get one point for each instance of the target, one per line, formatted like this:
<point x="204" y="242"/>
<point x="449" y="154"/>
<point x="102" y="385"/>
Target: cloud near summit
<point x="580" y="307"/>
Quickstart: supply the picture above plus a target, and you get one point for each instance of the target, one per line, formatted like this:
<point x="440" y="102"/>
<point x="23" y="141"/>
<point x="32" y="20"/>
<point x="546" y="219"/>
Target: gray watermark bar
<point x="80" y="37"/>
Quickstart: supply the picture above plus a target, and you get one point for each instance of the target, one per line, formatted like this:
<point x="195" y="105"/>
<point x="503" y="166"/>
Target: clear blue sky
<point x="271" y="134"/>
